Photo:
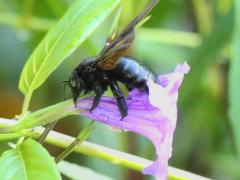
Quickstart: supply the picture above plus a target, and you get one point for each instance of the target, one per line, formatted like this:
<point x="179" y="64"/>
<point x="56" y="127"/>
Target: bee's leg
<point x="120" y="98"/>
<point x="99" y="92"/>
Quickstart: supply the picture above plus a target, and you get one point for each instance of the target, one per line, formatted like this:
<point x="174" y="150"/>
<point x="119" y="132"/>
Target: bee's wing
<point x="117" y="47"/>
<point x="108" y="59"/>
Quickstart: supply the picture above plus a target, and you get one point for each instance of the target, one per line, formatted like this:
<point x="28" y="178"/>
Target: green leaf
<point x="82" y="18"/>
<point x="77" y="172"/>
<point x="234" y="79"/>
<point x="28" y="161"/>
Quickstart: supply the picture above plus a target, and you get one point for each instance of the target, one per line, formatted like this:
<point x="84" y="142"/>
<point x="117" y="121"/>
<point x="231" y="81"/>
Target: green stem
<point x="48" y="128"/>
<point x="27" y="12"/>
<point x="26" y="102"/>
<point x="203" y="16"/>
<point x="95" y="150"/>
<point x="82" y="136"/>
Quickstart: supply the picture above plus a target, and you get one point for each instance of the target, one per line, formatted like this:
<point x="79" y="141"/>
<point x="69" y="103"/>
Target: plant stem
<point x="95" y="150"/>
<point x="26" y="102"/>
<point x="27" y="11"/>
<point x="203" y="16"/>
<point x="82" y="136"/>
<point x="48" y="128"/>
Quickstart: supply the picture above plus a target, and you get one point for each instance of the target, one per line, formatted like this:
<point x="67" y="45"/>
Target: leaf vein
<point x="34" y="65"/>
<point x="26" y="79"/>
<point x="22" y="162"/>
<point x="56" y="42"/>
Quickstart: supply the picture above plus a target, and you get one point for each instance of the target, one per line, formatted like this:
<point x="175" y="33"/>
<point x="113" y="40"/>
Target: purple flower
<point x="152" y="115"/>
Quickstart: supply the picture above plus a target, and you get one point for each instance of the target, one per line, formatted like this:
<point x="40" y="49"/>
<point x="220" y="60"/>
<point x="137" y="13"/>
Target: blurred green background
<point x="197" y="31"/>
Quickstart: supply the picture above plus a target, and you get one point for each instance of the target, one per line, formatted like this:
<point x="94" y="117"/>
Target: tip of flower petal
<point x="152" y="114"/>
<point x="184" y="68"/>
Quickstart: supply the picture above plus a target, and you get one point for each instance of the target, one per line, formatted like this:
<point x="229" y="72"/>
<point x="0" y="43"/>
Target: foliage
<point x="29" y="160"/>
<point x="206" y="140"/>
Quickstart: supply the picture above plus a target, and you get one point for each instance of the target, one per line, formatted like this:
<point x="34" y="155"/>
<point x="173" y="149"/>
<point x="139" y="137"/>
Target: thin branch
<point x="48" y="128"/>
<point x="83" y="135"/>
<point x="95" y="150"/>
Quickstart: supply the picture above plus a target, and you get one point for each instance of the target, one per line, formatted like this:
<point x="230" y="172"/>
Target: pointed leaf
<point x="82" y="18"/>
<point x="28" y="161"/>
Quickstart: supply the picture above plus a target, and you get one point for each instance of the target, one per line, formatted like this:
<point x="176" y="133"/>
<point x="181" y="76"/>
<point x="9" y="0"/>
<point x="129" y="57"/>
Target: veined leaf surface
<point x="28" y="161"/>
<point x="82" y="18"/>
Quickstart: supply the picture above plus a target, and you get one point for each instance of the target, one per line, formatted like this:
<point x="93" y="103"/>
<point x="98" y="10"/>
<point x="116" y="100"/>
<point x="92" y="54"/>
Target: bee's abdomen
<point x="132" y="74"/>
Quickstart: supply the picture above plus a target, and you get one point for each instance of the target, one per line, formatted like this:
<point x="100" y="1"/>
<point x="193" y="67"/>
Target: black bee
<point x="98" y="73"/>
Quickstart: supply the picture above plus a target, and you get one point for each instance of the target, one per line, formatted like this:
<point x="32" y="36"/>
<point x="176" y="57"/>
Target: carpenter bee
<point x="110" y="66"/>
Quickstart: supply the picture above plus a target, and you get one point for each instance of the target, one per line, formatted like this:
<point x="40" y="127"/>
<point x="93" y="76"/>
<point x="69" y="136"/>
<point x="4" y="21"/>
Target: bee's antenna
<point x="64" y="81"/>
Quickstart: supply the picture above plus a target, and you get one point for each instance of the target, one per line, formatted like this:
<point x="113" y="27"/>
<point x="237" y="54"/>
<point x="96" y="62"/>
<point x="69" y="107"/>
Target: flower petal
<point x="152" y="115"/>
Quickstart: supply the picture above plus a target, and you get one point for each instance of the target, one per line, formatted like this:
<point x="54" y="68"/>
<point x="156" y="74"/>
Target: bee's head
<point x="76" y="82"/>
<point x="76" y="85"/>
